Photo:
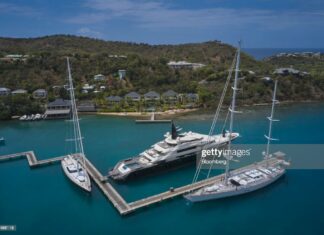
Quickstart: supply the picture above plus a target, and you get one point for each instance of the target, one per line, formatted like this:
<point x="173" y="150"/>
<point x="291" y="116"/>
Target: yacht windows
<point x="186" y="149"/>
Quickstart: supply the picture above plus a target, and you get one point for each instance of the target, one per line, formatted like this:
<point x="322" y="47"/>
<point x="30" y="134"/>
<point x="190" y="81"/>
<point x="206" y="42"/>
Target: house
<point x="184" y="64"/>
<point x="114" y="99"/>
<point x="14" y="57"/>
<point x="267" y="79"/>
<point x="86" y="106"/>
<point x="133" y="96"/>
<point x="102" y="88"/>
<point x="122" y="73"/>
<point x="99" y="77"/>
<point x="86" y="88"/>
<point x="288" y="71"/>
<point x="192" y="97"/>
<point x="170" y="95"/>
<point x="19" y="92"/>
<point x="58" y="109"/>
<point x="40" y="94"/>
<point x="151" y="95"/>
<point x="4" y="91"/>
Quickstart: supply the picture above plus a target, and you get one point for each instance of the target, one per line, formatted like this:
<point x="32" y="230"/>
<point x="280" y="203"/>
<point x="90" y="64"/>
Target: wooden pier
<point x="110" y="192"/>
<point x="31" y="158"/>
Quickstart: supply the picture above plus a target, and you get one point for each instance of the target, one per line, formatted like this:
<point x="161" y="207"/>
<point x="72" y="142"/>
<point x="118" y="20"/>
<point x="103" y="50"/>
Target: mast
<point x="269" y="137"/>
<point x="76" y="124"/>
<point x="232" y="108"/>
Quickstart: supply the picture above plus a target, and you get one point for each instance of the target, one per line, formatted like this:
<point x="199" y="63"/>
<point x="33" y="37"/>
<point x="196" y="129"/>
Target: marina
<point x="20" y="188"/>
<point x="111" y="193"/>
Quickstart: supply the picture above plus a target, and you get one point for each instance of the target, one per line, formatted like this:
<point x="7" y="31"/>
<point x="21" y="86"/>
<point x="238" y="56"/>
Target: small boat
<point x="2" y="140"/>
<point x="37" y="117"/>
<point x="23" y="118"/>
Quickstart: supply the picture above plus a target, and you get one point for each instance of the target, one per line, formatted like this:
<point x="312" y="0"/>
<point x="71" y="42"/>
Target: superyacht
<point x="177" y="148"/>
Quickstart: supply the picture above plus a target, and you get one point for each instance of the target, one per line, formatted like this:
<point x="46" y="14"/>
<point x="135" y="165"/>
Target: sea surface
<point x="43" y="201"/>
<point x="261" y="53"/>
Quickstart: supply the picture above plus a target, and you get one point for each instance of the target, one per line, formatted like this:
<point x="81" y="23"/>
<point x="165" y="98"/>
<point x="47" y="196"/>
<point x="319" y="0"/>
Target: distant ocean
<point x="261" y="53"/>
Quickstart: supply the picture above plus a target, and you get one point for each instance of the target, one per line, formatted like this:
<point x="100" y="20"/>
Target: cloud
<point x="156" y="15"/>
<point x="9" y="8"/>
<point x="85" y="31"/>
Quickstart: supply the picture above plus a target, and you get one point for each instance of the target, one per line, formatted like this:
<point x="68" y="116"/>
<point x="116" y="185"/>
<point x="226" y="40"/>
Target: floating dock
<point x="111" y="193"/>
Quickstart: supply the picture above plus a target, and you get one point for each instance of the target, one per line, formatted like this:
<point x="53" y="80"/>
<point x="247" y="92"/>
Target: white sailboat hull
<point x="79" y="178"/>
<point x="234" y="192"/>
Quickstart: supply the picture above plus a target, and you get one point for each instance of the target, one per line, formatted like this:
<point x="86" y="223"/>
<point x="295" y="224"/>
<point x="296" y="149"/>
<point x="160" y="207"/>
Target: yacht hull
<point x="86" y="186"/>
<point x="157" y="168"/>
<point x="213" y="196"/>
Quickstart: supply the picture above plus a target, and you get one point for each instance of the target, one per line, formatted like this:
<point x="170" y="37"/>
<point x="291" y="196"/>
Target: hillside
<point x="146" y="69"/>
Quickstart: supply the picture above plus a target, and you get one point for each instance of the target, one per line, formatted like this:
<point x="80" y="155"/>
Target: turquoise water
<point x="43" y="201"/>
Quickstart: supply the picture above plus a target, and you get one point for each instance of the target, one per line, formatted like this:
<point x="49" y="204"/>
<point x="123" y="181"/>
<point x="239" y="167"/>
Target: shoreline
<point x="169" y="114"/>
<point x="181" y="112"/>
<point x="163" y="115"/>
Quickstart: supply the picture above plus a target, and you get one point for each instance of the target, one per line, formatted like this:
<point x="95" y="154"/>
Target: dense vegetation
<point x="147" y="69"/>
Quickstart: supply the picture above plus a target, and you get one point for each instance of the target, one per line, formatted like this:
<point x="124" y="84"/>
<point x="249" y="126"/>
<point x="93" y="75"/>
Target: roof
<point x="114" y="98"/>
<point x="59" y="102"/>
<point x="86" y="106"/>
<point x="151" y="94"/>
<point x="133" y="94"/>
<point x="286" y="70"/>
<point x="40" y="90"/>
<point x="4" y="89"/>
<point x="19" y="91"/>
<point x="170" y="93"/>
<point x="192" y="95"/>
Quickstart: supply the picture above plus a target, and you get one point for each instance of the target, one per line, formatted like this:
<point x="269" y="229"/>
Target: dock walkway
<point x="31" y="158"/>
<point x="110" y="192"/>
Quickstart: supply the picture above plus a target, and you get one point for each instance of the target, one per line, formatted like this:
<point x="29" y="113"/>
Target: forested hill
<point x="62" y="44"/>
<point x="146" y="69"/>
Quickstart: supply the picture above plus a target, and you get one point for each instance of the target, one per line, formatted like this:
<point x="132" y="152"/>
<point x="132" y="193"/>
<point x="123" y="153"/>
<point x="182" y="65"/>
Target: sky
<point x="259" y="23"/>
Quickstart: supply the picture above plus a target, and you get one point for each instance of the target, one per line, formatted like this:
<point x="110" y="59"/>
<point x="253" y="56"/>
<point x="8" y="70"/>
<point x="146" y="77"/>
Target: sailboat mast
<point x="269" y="138"/>
<point x="232" y="108"/>
<point x="77" y="130"/>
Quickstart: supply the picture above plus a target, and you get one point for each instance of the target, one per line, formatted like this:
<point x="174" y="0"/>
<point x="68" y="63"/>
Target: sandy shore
<point x="162" y="115"/>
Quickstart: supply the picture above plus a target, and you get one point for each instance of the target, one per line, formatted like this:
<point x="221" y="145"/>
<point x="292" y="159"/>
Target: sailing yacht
<point x="246" y="179"/>
<point x="74" y="165"/>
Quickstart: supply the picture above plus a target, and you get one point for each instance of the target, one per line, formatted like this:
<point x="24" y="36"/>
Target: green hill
<point x="147" y="69"/>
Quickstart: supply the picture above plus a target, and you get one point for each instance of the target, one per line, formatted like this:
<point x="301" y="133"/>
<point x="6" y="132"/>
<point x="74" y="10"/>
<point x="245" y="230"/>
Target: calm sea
<point x="261" y="53"/>
<point x="42" y="201"/>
